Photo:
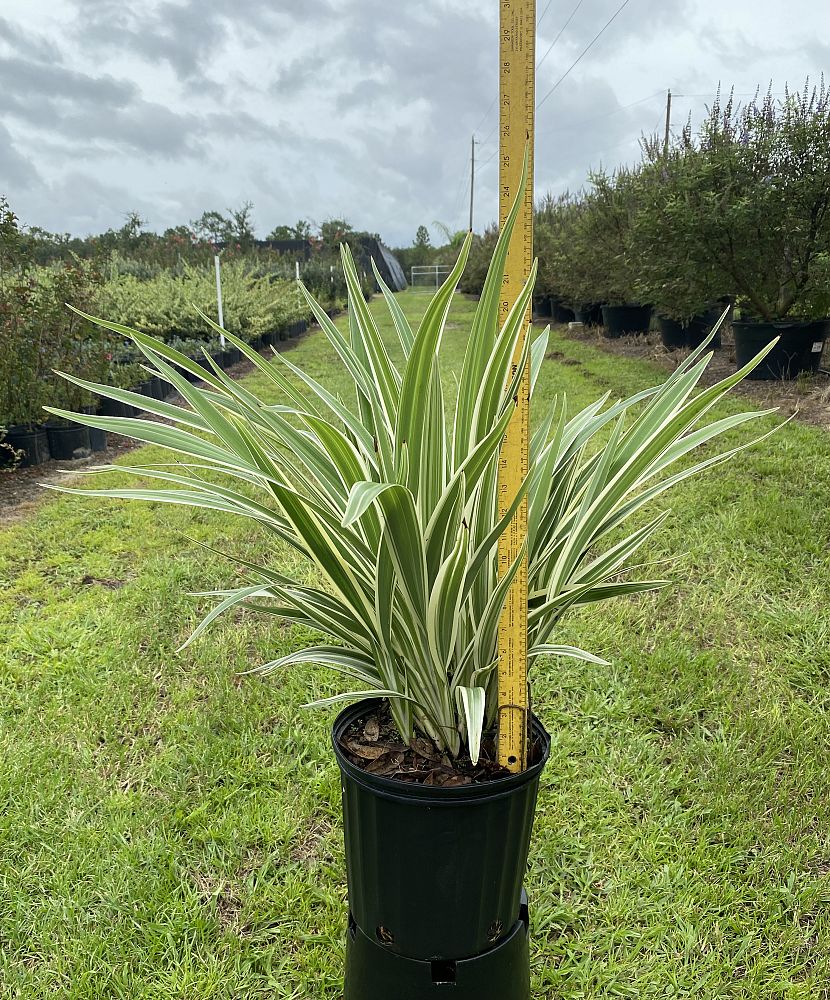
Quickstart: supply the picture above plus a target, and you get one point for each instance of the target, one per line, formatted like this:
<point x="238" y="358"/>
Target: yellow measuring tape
<point x="517" y="72"/>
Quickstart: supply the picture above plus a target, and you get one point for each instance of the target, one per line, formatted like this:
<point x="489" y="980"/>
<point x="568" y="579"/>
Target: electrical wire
<point x="594" y="118"/>
<point x="559" y="35"/>
<point x="542" y="15"/>
<point x="547" y="53"/>
<point x="486" y="115"/>
<point x="587" y="48"/>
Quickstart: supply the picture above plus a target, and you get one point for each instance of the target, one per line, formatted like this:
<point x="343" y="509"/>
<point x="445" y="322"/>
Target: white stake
<point x="219" y="300"/>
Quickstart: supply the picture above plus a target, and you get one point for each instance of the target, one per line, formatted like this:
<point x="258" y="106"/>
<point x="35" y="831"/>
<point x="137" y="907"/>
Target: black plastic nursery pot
<point x="156" y="388"/>
<point x="97" y="437"/>
<point x="435" y="881"/>
<point x="30" y="443"/>
<point x="690" y="334"/>
<point x="590" y="315"/>
<point x="115" y="408"/>
<point x="542" y="306"/>
<point x="561" y="313"/>
<point x="628" y="320"/>
<point x="67" y="441"/>
<point x="797" y="352"/>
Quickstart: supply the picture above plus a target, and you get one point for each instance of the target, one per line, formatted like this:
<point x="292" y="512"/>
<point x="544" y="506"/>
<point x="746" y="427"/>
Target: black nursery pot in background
<point x="30" y="442"/>
<point x="690" y="334"/>
<point x="561" y="313"/>
<point x="435" y="881"/>
<point x="590" y="315"/>
<point x="115" y="408"/>
<point x="68" y="441"/>
<point x="620" y="321"/>
<point x="97" y="437"/>
<point x="542" y="306"/>
<point x="798" y="351"/>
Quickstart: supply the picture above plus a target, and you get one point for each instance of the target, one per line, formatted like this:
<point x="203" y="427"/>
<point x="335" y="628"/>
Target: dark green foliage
<point x="748" y="199"/>
<point x="481" y="253"/>
<point x="39" y="334"/>
<point x="741" y="210"/>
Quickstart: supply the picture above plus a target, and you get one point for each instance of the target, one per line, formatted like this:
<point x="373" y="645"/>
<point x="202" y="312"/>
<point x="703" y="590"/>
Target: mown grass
<point x="171" y="830"/>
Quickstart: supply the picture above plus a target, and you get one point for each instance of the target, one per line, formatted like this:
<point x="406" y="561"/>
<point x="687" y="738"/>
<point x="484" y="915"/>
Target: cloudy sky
<point x="360" y="109"/>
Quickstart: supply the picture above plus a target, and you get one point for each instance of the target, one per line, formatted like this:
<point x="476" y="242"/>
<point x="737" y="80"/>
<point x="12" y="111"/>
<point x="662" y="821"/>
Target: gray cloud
<point x="359" y="108"/>
<point x="16" y="170"/>
<point x="187" y="35"/>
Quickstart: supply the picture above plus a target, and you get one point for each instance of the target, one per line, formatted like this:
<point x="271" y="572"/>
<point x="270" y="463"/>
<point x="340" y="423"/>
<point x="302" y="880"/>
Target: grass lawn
<point x="171" y="830"/>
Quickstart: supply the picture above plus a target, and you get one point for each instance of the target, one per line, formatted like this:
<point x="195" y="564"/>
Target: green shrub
<point x="745" y="204"/>
<point x="167" y="304"/>
<point x="39" y="334"/>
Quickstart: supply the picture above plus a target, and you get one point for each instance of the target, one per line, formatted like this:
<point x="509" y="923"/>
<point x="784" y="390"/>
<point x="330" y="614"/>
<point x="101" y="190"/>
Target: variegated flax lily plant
<point x="396" y="505"/>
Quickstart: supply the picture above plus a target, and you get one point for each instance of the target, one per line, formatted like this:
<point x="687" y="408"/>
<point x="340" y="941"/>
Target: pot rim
<point x="785" y="325"/>
<point x="406" y="791"/>
<point x="23" y="429"/>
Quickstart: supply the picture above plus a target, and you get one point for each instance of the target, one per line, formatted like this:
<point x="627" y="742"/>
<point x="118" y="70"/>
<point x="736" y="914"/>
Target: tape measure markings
<point x="516" y="130"/>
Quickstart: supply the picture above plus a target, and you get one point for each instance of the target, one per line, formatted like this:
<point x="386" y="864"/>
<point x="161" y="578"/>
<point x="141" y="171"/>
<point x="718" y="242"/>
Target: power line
<point x="590" y="44"/>
<point x="594" y="118"/>
<point x="542" y="15"/>
<point x="544" y="57"/>
<point x="559" y="35"/>
<point x="486" y="114"/>
<point x="615" y="111"/>
<point x="489" y="158"/>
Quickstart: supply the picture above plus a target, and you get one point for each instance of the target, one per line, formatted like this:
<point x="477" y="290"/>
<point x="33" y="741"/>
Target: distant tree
<point x="182" y="232"/>
<point x="212" y="226"/>
<point x="301" y="231"/>
<point x="281" y="233"/>
<point x="422" y="250"/>
<point x="334" y="231"/>
<point x="133" y="226"/>
<point x="454" y="238"/>
<point x="241" y="225"/>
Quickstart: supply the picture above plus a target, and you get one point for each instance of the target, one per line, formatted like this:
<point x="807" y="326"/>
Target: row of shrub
<point x="40" y="335"/>
<point x="738" y="209"/>
<point x="24" y="445"/>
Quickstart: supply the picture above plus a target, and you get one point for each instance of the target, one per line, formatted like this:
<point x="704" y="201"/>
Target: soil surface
<point x="21" y="490"/>
<point x="808" y="397"/>
<point x="373" y="744"/>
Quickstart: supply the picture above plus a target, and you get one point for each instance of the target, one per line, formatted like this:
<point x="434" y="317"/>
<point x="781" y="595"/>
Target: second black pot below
<point x="798" y="351"/>
<point x="435" y="872"/>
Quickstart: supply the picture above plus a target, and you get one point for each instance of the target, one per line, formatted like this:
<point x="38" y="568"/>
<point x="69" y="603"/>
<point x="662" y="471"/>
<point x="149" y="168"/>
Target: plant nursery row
<point x="41" y="336"/>
<point x="734" y="215"/>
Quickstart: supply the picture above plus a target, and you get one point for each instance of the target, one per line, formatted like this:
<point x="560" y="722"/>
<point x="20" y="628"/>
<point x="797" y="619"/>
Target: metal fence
<point x="429" y="276"/>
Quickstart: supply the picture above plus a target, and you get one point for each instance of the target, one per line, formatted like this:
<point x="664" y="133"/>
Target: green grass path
<point x="169" y="829"/>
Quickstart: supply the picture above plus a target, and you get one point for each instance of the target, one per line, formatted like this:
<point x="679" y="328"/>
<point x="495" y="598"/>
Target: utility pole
<point x="668" y="124"/>
<point x="472" y="178"/>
